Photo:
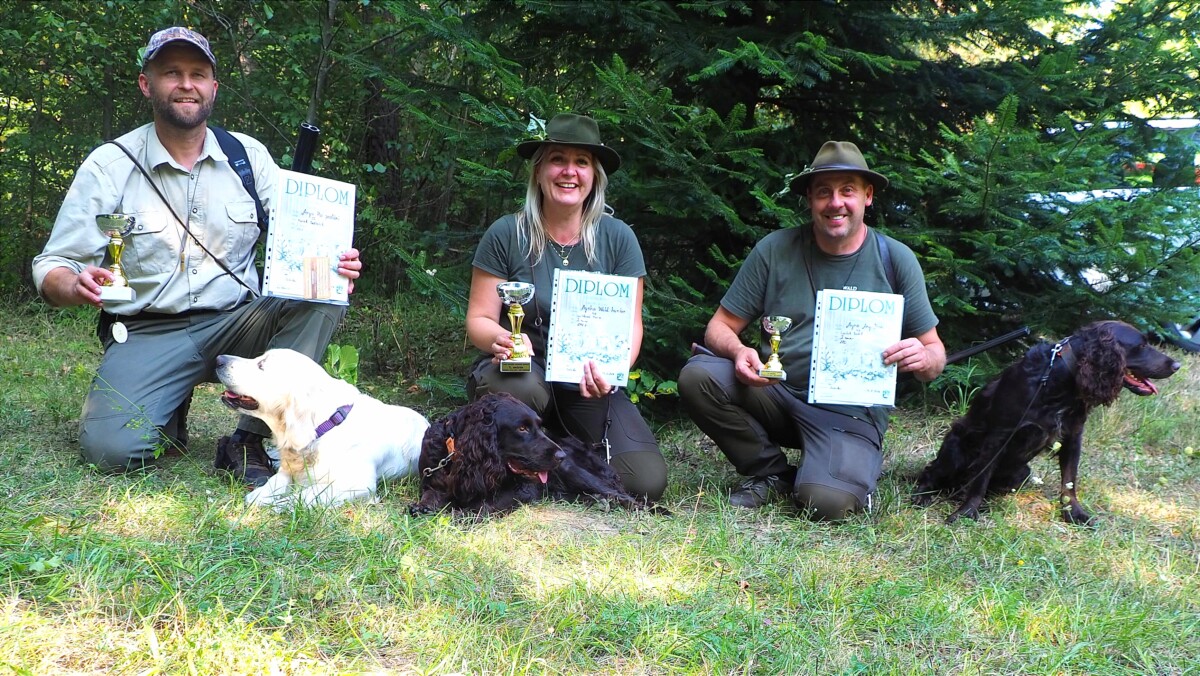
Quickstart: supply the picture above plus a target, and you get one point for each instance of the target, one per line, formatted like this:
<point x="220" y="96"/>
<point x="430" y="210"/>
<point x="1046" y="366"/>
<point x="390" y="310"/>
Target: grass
<point x="167" y="572"/>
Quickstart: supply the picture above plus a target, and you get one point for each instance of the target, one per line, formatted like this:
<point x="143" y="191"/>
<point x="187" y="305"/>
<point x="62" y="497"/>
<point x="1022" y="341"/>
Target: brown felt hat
<point x="837" y="156"/>
<point x="569" y="129"/>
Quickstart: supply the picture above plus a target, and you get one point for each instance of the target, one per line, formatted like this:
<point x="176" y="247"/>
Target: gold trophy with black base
<point x="514" y="295"/>
<point x="117" y="227"/>
<point x="775" y="325"/>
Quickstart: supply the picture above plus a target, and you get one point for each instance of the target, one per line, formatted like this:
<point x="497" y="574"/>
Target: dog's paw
<point x="923" y="499"/>
<point x="260" y="497"/>
<point x="966" y="511"/>
<point x="418" y="509"/>
<point x="1077" y="516"/>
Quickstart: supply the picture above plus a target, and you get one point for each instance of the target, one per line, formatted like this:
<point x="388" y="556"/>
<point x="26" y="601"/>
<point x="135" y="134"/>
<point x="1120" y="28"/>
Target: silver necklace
<point x="564" y="252"/>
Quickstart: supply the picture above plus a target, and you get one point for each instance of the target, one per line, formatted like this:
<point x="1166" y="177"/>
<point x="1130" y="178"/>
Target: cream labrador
<point x="334" y="442"/>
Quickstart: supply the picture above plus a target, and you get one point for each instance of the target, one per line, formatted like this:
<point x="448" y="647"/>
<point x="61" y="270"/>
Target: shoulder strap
<point x="182" y="223"/>
<point x="885" y="255"/>
<point x="240" y="162"/>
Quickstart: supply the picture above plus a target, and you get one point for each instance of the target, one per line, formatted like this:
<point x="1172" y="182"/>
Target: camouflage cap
<point x="176" y="34"/>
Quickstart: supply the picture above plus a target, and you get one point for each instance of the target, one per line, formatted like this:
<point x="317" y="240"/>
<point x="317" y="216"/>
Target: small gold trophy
<point x="775" y="325"/>
<point x="117" y="227"/>
<point x="514" y="295"/>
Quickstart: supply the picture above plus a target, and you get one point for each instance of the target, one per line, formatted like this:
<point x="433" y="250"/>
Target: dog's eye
<point x="523" y="428"/>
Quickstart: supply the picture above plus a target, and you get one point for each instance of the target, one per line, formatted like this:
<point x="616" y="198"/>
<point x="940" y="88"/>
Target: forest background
<point x="987" y="116"/>
<point x="990" y="118"/>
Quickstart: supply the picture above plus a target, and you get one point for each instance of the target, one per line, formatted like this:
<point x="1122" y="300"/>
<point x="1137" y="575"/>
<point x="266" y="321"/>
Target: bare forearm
<point x="482" y="332"/>
<point x="637" y="344"/>
<point x="723" y="342"/>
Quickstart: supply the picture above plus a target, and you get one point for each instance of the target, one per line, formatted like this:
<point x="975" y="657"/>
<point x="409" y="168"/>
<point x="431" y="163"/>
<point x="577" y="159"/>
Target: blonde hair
<point x="530" y="224"/>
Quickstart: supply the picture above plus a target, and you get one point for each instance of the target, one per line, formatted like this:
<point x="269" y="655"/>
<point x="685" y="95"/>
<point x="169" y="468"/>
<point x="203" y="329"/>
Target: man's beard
<point x="167" y="113"/>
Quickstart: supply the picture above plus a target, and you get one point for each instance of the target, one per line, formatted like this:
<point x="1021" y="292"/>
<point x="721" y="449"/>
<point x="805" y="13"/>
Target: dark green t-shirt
<point x="502" y="254"/>
<point x="782" y="275"/>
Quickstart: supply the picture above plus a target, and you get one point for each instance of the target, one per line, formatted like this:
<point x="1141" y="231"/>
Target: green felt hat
<point x="581" y="131"/>
<point x="837" y="156"/>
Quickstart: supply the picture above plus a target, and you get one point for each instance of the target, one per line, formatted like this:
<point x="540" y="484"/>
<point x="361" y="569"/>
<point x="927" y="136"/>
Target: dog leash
<point x="1059" y="348"/>
<point x="449" y="456"/>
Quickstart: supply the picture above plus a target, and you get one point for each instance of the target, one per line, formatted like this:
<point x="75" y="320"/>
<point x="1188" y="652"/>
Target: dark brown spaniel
<point x="1046" y="396"/>
<point x="492" y="455"/>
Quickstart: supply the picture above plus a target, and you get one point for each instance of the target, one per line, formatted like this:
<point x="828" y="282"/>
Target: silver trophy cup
<point x="515" y="295"/>
<point x="776" y="326"/>
<point x="117" y="227"/>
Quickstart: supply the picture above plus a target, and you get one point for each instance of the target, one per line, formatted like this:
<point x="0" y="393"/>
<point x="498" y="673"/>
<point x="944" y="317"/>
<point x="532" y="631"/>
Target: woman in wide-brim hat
<point x="564" y="224"/>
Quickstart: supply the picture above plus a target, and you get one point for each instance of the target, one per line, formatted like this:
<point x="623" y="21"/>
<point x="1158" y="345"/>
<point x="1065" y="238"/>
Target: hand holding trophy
<point x="117" y="227"/>
<point x="514" y="295"/>
<point x="775" y="325"/>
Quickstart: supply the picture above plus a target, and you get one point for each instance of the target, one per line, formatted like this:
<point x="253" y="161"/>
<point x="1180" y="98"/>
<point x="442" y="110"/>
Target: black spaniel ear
<point x="434" y="448"/>
<point x="1101" y="365"/>
<point x="481" y="468"/>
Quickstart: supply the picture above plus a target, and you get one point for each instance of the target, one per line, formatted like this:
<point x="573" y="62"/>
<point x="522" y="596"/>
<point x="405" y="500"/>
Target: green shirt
<point x="503" y="254"/>
<point x="782" y="275"/>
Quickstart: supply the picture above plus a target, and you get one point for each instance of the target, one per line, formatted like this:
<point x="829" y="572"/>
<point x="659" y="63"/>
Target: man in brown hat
<point x="190" y="263"/>
<point x="751" y="417"/>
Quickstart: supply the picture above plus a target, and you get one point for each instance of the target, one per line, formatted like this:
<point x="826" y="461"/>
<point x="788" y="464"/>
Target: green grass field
<point x="167" y="572"/>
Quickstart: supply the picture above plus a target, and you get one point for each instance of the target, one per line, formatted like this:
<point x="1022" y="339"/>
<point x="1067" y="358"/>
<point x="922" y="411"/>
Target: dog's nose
<point x="1175" y="366"/>
<point x="222" y="359"/>
<point x="560" y="455"/>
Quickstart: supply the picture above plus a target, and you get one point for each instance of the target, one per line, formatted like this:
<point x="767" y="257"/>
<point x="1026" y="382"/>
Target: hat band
<point x="838" y="167"/>
<point x="568" y="141"/>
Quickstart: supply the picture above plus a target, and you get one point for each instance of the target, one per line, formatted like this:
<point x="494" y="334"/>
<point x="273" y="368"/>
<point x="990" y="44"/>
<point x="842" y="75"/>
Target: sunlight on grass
<point x="586" y="555"/>
<point x="169" y="572"/>
<point x="157" y="516"/>
<point x="1163" y="513"/>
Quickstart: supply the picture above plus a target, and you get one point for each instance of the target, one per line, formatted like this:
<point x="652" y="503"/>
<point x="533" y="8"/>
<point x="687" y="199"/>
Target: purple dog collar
<point x="334" y="420"/>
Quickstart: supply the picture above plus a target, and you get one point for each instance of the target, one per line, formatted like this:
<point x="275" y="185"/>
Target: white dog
<point x="334" y="442"/>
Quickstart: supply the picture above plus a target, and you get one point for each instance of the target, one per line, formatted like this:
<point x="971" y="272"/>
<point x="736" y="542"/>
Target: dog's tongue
<point x="544" y="476"/>
<point x="1140" y="384"/>
<point x="238" y="400"/>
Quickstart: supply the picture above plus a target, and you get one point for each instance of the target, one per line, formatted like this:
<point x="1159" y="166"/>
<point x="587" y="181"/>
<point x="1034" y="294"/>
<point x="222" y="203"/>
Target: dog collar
<point x="450" y="450"/>
<point x="1063" y="350"/>
<point x="336" y="419"/>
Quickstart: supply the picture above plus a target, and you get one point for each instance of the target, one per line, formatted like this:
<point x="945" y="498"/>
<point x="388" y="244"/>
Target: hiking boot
<point x="176" y="432"/>
<point x="243" y="456"/>
<point x="758" y="491"/>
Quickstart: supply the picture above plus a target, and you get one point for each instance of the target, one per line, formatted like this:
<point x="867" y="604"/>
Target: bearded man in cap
<point x="750" y="417"/>
<point x="189" y="260"/>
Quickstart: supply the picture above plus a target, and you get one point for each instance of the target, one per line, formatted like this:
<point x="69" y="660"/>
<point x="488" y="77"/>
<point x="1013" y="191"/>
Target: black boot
<point x="242" y="455"/>
<point x="176" y="430"/>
